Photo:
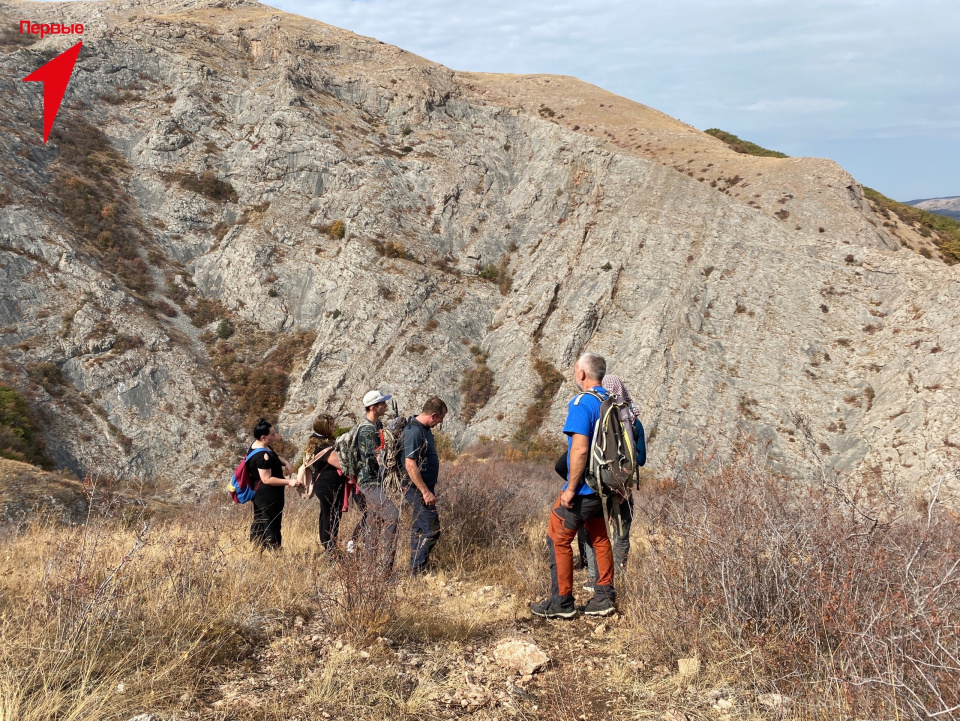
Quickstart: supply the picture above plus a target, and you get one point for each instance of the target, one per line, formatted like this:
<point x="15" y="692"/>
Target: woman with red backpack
<point x="271" y="469"/>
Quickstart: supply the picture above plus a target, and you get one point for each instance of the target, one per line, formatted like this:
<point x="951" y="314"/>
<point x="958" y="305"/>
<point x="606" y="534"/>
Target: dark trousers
<point x="424" y="532"/>
<point x="330" y="496"/>
<point x="564" y="523"/>
<point x="265" y="530"/>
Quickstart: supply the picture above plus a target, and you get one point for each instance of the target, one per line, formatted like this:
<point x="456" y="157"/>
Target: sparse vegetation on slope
<point x="744" y="146"/>
<point x="87" y="183"/>
<point x="19" y="439"/>
<point x="526" y="438"/>
<point x="259" y="376"/>
<point x="477" y="385"/>
<point x="947" y="228"/>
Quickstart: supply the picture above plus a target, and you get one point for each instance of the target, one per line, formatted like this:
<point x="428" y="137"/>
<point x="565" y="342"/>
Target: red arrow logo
<point x="55" y="76"/>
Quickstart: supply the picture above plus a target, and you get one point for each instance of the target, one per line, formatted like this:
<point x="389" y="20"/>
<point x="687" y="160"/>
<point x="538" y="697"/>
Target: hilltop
<point x="244" y="212"/>
<point x="949" y="206"/>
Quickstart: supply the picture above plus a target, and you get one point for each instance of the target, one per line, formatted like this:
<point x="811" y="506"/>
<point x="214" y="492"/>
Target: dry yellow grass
<point x="179" y="616"/>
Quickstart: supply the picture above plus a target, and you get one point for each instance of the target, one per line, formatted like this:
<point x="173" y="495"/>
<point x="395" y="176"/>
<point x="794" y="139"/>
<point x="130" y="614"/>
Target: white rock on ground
<point x="520" y="656"/>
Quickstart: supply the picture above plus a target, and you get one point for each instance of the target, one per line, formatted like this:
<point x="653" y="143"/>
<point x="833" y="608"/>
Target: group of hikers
<point x="374" y="467"/>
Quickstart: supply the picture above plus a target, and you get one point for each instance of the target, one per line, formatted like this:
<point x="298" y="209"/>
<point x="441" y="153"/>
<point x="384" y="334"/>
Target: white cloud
<point x="796" y="105"/>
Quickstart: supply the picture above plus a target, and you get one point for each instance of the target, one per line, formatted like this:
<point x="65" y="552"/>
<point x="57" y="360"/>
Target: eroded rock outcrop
<point x="411" y="222"/>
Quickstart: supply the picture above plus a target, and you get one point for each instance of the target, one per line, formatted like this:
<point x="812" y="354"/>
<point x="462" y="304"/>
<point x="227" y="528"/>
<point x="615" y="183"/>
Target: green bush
<point x="337" y="230"/>
<point x="744" y="146"/>
<point x="224" y="329"/>
<point x="18" y="431"/>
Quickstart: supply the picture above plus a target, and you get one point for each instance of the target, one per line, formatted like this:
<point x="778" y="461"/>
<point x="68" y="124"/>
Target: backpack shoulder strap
<point x="323" y="452"/>
<point x="255" y="451"/>
<point x="576" y="401"/>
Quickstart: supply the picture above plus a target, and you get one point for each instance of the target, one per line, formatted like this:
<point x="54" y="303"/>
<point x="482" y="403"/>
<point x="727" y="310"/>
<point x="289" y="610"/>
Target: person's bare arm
<point x="266" y="476"/>
<point x="334" y="460"/>
<point x="414" y="472"/>
<point x="579" y="449"/>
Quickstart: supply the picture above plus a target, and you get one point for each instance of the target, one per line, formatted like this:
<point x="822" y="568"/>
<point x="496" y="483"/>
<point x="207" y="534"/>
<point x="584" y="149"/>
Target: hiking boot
<point x="588" y="586"/>
<point x="552" y="608"/>
<point x="599" y="607"/>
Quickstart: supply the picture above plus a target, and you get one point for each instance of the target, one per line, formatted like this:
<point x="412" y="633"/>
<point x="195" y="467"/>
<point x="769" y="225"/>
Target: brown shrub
<point x="257" y="375"/>
<point x="550" y="381"/>
<point x="834" y="584"/>
<point x="209" y="185"/>
<point x="477" y="386"/>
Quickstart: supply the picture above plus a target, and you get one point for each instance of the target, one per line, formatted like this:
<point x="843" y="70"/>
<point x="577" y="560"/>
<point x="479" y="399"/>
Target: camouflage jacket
<point x="369" y="439"/>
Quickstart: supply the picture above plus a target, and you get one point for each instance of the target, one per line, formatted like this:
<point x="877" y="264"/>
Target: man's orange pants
<point x="587" y="512"/>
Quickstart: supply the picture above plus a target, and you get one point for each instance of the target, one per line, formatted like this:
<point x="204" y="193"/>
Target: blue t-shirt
<point x="583" y="412"/>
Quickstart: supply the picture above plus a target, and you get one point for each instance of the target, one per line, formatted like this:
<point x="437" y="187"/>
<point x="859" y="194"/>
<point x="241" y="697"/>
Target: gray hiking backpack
<point x="348" y="452"/>
<point x="612" y="465"/>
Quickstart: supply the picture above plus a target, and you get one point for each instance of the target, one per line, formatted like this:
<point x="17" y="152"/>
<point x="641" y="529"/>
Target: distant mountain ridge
<point x="948" y="206"/>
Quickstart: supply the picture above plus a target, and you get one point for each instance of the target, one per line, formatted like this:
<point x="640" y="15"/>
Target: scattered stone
<point x="688" y="666"/>
<point x="723" y="704"/>
<point x="774" y="701"/>
<point x="522" y="656"/>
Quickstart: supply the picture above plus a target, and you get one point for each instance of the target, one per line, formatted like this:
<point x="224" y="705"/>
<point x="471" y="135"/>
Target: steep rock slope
<point x="310" y="213"/>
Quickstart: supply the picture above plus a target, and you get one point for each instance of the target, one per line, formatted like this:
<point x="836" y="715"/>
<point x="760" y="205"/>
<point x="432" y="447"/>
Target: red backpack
<point x="243" y="484"/>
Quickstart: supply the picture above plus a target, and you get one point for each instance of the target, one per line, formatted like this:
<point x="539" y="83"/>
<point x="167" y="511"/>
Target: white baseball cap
<point x="374" y="397"/>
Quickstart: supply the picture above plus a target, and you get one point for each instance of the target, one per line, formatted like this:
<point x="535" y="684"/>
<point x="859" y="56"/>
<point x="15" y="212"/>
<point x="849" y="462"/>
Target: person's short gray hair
<point x="594" y="365"/>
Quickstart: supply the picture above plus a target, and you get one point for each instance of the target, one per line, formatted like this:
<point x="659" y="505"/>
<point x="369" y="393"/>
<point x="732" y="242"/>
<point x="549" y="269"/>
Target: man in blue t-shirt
<point x="423" y="466"/>
<point x="578" y="506"/>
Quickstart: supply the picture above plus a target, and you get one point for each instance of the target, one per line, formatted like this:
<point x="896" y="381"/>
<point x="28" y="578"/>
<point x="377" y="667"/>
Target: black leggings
<point x="265" y="530"/>
<point x="330" y="495"/>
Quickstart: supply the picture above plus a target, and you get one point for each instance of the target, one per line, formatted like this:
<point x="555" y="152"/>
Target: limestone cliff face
<point x="286" y="176"/>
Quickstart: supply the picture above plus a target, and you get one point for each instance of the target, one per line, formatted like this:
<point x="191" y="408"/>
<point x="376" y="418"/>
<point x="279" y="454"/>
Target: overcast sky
<point x="873" y="84"/>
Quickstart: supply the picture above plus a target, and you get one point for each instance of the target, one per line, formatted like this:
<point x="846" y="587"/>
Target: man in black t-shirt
<point x="270" y="468"/>
<point x="423" y="467"/>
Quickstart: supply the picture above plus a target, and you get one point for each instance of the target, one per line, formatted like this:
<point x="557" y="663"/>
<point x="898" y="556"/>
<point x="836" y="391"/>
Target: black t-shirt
<point x="266" y="495"/>
<point x="325" y="474"/>
<point x="419" y="445"/>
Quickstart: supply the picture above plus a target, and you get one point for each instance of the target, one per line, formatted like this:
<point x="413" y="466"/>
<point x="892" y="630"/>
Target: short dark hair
<point x="261" y="429"/>
<point x="434" y="406"/>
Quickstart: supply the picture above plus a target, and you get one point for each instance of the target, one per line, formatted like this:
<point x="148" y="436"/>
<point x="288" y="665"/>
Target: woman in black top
<point x="328" y="483"/>
<point x="268" y="499"/>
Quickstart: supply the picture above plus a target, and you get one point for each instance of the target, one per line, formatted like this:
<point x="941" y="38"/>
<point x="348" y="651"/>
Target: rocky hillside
<point x="949" y="207"/>
<point x="243" y="211"/>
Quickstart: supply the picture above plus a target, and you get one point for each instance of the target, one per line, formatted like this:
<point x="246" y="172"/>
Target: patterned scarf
<point x="615" y="385"/>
